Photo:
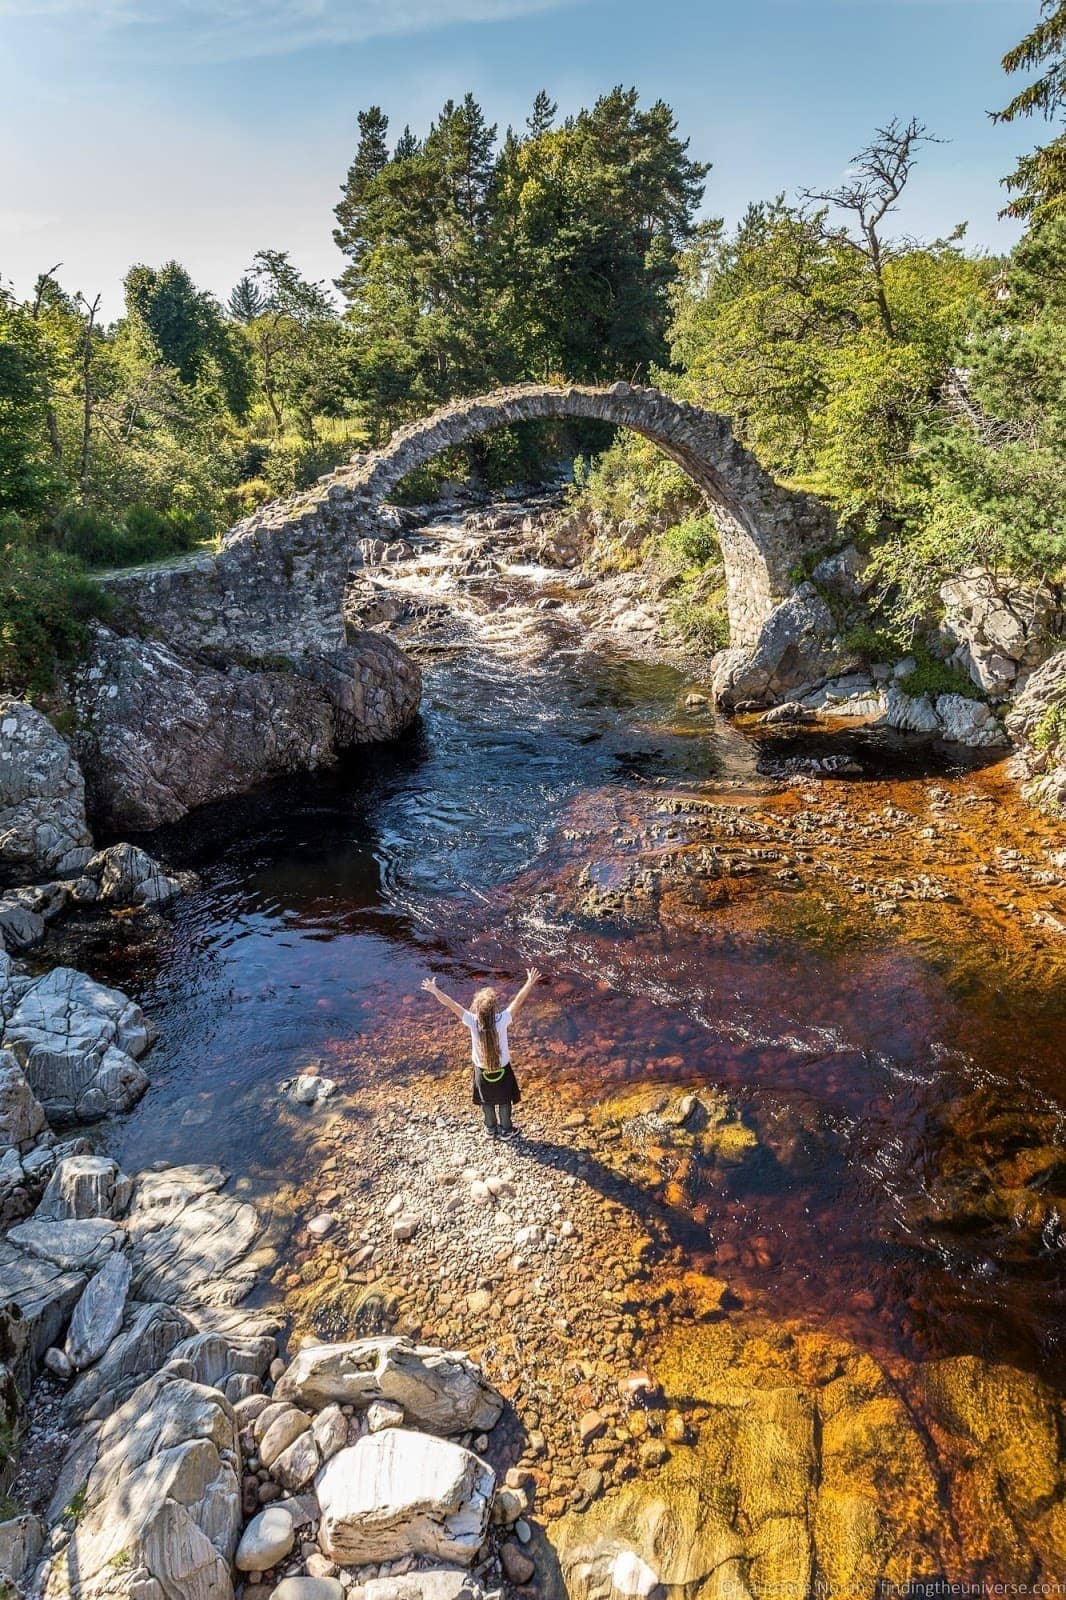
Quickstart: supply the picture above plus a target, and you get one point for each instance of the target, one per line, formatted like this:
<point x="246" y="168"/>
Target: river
<point x="870" y="967"/>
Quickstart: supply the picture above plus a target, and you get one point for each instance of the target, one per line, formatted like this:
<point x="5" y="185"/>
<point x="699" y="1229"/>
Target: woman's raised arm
<point x="533" y="975"/>
<point x="431" y="986"/>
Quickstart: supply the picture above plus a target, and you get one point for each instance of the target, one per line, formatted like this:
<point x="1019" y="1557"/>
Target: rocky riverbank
<point x="712" y="1324"/>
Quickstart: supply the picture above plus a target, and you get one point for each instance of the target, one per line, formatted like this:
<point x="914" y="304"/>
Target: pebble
<point x="266" y="1540"/>
<point x="517" y="1566"/>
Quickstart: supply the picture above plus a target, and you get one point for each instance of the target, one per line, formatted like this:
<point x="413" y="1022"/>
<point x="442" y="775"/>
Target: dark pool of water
<point x="323" y="902"/>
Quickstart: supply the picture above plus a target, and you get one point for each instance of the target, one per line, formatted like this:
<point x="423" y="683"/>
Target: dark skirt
<point x="504" y="1092"/>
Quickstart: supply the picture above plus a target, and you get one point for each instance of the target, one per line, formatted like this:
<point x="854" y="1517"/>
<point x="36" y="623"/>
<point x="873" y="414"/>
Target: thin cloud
<point x="231" y="30"/>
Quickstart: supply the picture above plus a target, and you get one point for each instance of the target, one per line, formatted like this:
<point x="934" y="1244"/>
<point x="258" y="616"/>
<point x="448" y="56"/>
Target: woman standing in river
<point x="495" y="1085"/>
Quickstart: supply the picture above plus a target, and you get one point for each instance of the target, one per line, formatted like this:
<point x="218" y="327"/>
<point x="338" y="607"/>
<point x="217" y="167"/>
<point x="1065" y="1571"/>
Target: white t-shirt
<point x="503" y="1022"/>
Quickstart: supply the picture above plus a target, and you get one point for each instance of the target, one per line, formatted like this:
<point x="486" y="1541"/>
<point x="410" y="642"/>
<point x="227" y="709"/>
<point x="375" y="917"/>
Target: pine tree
<point x="247" y="301"/>
<point x="352" y="233"/>
<point x="1038" y="182"/>
<point x="406" y="145"/>
<point x="542" y="116"/>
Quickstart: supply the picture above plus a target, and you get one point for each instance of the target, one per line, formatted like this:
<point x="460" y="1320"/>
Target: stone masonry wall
<point x="277" y="584"/>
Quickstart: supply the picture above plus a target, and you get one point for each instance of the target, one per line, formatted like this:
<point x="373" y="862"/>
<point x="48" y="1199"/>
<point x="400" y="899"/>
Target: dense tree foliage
<point x="1038" y="182"/>
<point x="919" y="387"/>
<point x="471" y="263"/>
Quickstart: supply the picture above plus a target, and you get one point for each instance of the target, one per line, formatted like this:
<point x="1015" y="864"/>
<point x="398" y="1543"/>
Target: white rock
<point x="76" y="1246"/>
<point x="266" y="1540"/>
<point x="126" y="875"/>
<point x="98" y="1314"/>
<point x="406" y="1225"/>
<point x="21" y="1539"/>
<point x="21" y="1113"/>
<point x="330" y="1429"/>
<point x="309" y="1088"/>
<point x="384" y="1414"/>
<point x="76" y="1041"/>
<point x="433" y="1583"/>
<point x="160" y="1499"/>
<point x="440" y="1391"/>
<point x="85" y="1186"/>
<point x="398" y="1493"/>
<point x="43" y="830"/>
<point x="969" y="722"/>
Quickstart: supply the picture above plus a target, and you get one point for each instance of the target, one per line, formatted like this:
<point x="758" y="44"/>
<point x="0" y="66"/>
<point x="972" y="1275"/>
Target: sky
<point x="204" y="130"/>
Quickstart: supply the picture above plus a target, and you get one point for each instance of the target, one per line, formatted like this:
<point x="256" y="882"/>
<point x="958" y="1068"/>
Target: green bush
<point x="46" y="602"/>
<point x="702" y="623"/>
<point x="143" y="534"/>
<point x="691" y="545"/>
<point x="933" y="676"/>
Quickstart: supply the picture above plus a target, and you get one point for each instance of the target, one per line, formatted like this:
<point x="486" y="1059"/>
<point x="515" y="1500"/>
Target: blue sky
<point x="140" y="130"/>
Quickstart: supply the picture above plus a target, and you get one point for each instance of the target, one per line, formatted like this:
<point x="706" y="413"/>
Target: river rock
<point x="308" y="1589"/>
<point x="21" y="1539"/>
<point x="297" y="1464"/>
<point x="160" y="733"/>
<point x="36" y="1300"/>
<point x="74" y="1245"/>
<point x="76" y="1041"/>
<point x="999" y="627"/>
<point x="266" y="1540"/>
<point x="159" y="1500"/>
<point x="798" y="648"/>
<point x="196" y="1252"/>
<point x="22" y="1116"/>
<point x="43" y="831"/>
<point x="284" y="1428"/>
<point x="330" y="1428"/>
<point x="400" y="1493"/>
<point x="1037" y="724"/>
<point x="440" y="1391"/>
<point x="435" y="1583"/>
<point x="141" y="1347"/>
<point x="21" y="928"/>
<point x="970" y="722"/>
<point x="98" y="1314"/>
<point x="125" y="875"/>
<point x="217" y="1357"/>
<point x="84" y="1186"/>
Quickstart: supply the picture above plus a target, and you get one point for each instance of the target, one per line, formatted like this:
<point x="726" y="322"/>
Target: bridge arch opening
<point x="763" y="528"/>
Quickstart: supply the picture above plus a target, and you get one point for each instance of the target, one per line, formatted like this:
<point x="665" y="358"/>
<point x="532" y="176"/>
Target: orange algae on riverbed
<point x="810" y="1246"/>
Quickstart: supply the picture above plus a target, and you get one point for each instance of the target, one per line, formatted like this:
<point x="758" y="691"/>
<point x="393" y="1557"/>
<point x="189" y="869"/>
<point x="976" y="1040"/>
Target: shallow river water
<point x="871" y="1047"/>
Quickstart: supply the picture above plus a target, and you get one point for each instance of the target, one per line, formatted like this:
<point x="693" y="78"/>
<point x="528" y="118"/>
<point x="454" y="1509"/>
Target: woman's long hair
<point x="483" y="1007"/>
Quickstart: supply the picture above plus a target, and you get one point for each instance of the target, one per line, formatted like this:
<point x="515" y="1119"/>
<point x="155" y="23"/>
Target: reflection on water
<point x="324" y="901"/>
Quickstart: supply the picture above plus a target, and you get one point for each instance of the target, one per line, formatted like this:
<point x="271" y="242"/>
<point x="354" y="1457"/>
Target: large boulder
<point x="21" y="1538"/>
<point x="98" y="1314"/>
<point x="84" y="1186"/>
<point x="43" y="830"/>
<point x="144" y="1343"/>
<point x="198" y="1254"/>
<point x="440" y="1391"/>
<point x="76" y="1041"/>
<point x="126" y="875"/>
<point x="999" y="628"/>
<point x="36" y="1300"/>
<point x="1037" y="724"/>
<point x="399" y="1493"/>
<point x="798" y="648"/>
<point x="158" y="1495"/>
<point x="160" y="733"/>
<point x="22" y="1116"/>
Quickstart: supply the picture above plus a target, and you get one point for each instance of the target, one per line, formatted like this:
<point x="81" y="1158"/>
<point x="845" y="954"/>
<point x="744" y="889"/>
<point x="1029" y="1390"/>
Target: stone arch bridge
<point x="276" y="585"/>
